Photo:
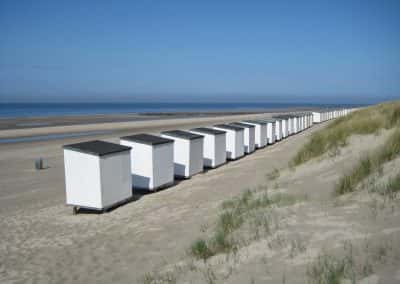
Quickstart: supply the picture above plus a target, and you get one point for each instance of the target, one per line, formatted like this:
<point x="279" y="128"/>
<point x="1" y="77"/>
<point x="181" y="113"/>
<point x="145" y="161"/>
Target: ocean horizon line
<point x="37" y="109"/>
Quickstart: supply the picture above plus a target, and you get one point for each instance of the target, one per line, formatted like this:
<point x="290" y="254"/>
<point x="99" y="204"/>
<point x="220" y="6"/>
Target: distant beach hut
<point x="234" y="140"/>
<point x="214" y="146"/>
<point x="290" y="124"/>
<point x="249" y="136"/>
<point x="310" y="122"/>
<point x="260" y="139"/>
<point x="271" y="130"/>
<point x="284" y="121"/>
<point x="324" y="115"/>
<point x="188" y="152"/>
<point x="306" y="117"/>
<point x="300" y="121"/>
<point x="278" y="129"/>
<point x="317" y="117"/>
<point x="295" y="128"/>
<point x="152" y="160"/>
<point x="97" y="175"/>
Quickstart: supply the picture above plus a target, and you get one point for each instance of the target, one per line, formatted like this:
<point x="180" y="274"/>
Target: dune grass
<point x="370" y="164"/>
<point x="389" y="189"/>
<point x="235" y="213"/>
<point x="392" y="188"/>
<point x="365" y="121"/>
<point x="328" y="270"/>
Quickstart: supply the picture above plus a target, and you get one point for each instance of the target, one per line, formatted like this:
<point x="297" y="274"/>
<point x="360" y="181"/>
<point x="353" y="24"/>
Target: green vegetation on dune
<point x="249" y="208"/>
<point x="389" y="189"/>
<point x="365" y="121"/>
<point x="370" y="164"/>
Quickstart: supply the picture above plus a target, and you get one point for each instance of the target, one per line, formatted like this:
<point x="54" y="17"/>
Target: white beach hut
<point x="283" y="126"/>
<point x="308" y="124"/>
<point x="290" y="124"/>
<point x="271" y="130"/>
<point x="260" y="132"/>
<point x="97" y="175"/>
<point x="305" y="126"/>
<point x="188" y="152"/>
<point x="249" y="136"/>
<point x="152" y="160"/>
<point x="324" y="116"/>
<point x="214" y="146"/>
<point x="234" y="140"/>
<point x="278" y="129"/>
<point x="295" y="124"/>
<point x="316" y="116"/>
<point x="300" y="117"/>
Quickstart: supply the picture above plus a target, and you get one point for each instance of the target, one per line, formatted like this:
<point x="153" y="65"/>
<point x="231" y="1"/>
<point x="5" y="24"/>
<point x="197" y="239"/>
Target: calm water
<point x="13" y="110"/>
<point x="51" y="137"/>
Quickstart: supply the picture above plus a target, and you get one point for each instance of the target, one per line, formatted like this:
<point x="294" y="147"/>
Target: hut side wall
<point x="82" y="179"/>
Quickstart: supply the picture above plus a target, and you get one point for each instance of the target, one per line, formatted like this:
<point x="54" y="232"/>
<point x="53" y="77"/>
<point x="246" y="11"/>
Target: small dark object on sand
<point x="39" y="164"/>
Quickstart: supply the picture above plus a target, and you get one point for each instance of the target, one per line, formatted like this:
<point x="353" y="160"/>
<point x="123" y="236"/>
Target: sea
<point x="16" y="110"/>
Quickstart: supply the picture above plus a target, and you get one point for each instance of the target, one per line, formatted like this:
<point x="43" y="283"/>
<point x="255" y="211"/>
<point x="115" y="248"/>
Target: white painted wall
<point x="188" y="156"/>
<point x="163" y="165"/>
<point x="82" y="179"/>
<point x="181" y="156"/>
<point x="151" y="166"/>
<point x="96" y="182"/>
<point x="284" y="128"/>
<point x="278" y="129"/>
<point x="196" y="156"/>
<point x="116" y="181"/>
<point x="214" y="149"/>
<point x="290" y="125"/>
<point x="234" y="143"/>
<point x="239" y="145"/>
<point x="220" y="150"/>
<point x="271" y="136"/>
<point x="249" y="143"/>
<point x="141" y="164"/>
<point x="260" y="134"/>
<point x="295" y="125"/>
<point x="317" y="117"/>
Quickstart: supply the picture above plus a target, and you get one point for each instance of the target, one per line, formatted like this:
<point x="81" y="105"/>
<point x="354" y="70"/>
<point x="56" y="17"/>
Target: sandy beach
<point x="43" y="242"/>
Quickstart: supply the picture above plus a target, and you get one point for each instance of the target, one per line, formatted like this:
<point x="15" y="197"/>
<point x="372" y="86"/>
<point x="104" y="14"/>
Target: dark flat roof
<point x="97" y="147"/>
<point x="182" y="134"/>
<point x="283" y="116"/>
<point x="148" y="139"/>
<point x="242" y="125"/>
<point x="303" y="113"/>
<point x="255" y="122"/>
<point x="268" y="120"/>
<point x="229" y="127"/>
<point x="206" y="130"/>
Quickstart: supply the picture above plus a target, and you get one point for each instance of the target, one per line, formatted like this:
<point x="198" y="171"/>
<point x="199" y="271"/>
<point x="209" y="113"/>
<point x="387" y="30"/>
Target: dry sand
<point x="42" y="242"/>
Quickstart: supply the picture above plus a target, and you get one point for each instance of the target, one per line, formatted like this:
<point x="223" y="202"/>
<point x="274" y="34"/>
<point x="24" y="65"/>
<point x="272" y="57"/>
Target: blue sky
<point x="108" y="51"/>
